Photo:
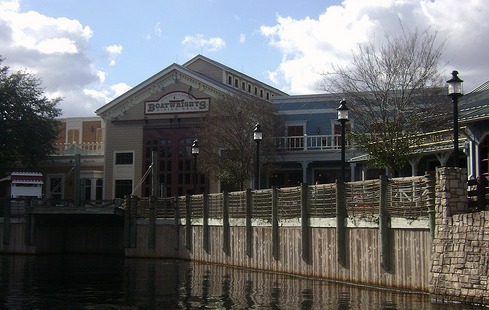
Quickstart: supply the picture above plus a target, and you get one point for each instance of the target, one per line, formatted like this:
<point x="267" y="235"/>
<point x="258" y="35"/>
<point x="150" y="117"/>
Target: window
<point x="236" y="83"/>
<point x="123" y="188"/>
<point x="230" y="80"/>
<point x="243" y="85"/>
<point x="261" y="93"/>
<point x="268" y="96"/>
<point x="249" y="88"/>
<point x="124" y="158"/>
<point x="256" y="91"/>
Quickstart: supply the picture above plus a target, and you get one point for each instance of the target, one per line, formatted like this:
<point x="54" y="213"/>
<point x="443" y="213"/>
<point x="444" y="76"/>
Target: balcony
<point x="69" y="149"/>
<point x="309" y="143"/>
<point x="422" y="143"/>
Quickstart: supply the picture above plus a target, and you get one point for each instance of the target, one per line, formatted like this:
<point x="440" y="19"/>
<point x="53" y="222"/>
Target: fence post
<point x="206" y="223"/>
<point x="152" y="222"/>
<point x="176" y="224"/>
<point x="6" y="222"/>
<point x="249" y="227"/>
<point x="340" y="222"/>
<point x="385" y="256"/>
<point x="306" y="238"/>
<point x="188" y="222"/>
<point x="430" y="201"/>
<point x="225" y="224"/>
<point x="275" y="232"/>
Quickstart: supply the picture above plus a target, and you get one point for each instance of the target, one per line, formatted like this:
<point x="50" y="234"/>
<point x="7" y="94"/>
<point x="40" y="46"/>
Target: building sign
<point x="176" y="102"/>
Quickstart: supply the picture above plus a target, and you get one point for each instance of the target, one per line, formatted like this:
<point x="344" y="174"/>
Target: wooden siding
<point x="410" y="253"/>
<point x="207" y="69"/>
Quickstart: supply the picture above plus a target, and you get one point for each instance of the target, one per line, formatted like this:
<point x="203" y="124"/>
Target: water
<point x="112" y="282"/>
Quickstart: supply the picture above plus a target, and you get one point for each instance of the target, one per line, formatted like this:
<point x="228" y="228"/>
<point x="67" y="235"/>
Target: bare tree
<point x="395" y="92"/>
<point x="226" y="138"/>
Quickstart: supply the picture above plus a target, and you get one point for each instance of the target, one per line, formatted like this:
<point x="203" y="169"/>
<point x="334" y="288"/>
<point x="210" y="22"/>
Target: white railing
<point x="309" y="143"/>
<point x="92" y="148"/>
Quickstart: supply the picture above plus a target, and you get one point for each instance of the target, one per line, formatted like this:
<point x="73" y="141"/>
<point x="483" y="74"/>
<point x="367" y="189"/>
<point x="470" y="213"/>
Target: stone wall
<point x="460" y="253"/>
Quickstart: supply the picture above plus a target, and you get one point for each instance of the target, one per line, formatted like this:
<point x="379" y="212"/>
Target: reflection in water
<point x="110" y="282"/>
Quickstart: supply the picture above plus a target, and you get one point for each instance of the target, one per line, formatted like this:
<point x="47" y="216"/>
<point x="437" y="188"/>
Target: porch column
<point x="443" y="158"/>
<point x="352" y="171"/>
<point x="414" y="165"/>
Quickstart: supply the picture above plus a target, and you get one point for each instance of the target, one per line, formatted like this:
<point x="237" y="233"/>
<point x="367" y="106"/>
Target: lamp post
<point x="257" y="137"/>
<point x="195" y="153"/>
<point x="343" y="119"/>
<point x="455" y="92"/>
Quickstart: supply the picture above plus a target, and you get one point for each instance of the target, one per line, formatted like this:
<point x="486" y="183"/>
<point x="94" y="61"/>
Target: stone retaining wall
<point x="460" y="253"/>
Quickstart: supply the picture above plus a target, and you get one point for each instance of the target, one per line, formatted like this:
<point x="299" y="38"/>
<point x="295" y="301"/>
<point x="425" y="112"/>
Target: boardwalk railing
<point x="409" y="198"/>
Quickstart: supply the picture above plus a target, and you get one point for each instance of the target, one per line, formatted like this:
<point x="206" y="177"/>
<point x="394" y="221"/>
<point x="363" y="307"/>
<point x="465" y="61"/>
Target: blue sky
<point x="91" y="51"/>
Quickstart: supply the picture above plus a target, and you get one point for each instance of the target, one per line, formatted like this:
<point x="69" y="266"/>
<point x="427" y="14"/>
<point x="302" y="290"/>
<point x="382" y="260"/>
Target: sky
<point x="89" y="52"/>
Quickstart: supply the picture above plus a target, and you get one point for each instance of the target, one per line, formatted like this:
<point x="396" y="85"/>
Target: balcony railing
<point x="309" y="143"/>
<point x="92" y="148"/>
<point x="424" y="142"/>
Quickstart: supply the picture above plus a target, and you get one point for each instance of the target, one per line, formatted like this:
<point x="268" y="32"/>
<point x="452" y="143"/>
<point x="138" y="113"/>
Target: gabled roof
<point x="171" y="73"/>
<point x="474" y="106"/>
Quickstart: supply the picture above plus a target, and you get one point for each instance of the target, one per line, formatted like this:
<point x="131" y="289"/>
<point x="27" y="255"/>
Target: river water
<point x="113" y="282"/>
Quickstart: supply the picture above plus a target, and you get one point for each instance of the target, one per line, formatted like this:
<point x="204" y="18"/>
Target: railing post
<point x="385" y="256"/>
<point x="6" y="222"/>
<point x="177" y="223"/>
<point x="340" y="223"/>
<point x="188" y="222"/>
<point x="249" y="227"/>
<point x="133" y="225"/>
<point x="275" y="232"/>
<point x="28" y="221"/>
<point x="306" y="238"/>
<point x="76" y="183"/>
<point x="127" y="222"/>
<point x="152" y="222"/>
<point x="206" y="223"/>
<point x="225" y="224"/>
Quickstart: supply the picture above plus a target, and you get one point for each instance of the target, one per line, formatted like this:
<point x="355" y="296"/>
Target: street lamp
<point x="257" y="137"/>
<point x="195" y="153"/>
<point x="343" y="119"/>
<point x="455" y="91"/>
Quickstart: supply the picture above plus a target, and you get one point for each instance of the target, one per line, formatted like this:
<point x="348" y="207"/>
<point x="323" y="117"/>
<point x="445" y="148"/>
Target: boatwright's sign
<point x="176" y="102"/>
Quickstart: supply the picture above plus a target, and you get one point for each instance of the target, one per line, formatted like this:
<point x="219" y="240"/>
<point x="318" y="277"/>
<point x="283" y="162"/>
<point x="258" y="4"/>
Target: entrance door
<point x="176" y="169"/>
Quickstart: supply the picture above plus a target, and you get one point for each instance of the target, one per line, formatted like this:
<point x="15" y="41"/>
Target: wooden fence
<point x="409" y="198"/>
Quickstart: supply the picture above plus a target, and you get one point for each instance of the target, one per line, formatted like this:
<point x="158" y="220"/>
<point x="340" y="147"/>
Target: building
<point x="161" y="114"/>
<point x="107" y="157"/>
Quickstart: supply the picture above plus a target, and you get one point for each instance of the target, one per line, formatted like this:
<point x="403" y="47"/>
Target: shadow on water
<point x="112" y="282"/>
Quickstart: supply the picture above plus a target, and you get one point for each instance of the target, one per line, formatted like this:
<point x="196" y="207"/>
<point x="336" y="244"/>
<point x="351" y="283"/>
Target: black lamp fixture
<point x="454" y="92"/>
<point x="257" y="137"/>
<point x="195" y="153"/>
<point x="343" y="119"/>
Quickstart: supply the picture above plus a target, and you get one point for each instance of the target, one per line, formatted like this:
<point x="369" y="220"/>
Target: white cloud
<point x="56" y="50"/>
<point x="310" y="46"/>
<point x="199" y="43"/>
<point x="113" y="51"/>
<point x="242" y="38"/>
